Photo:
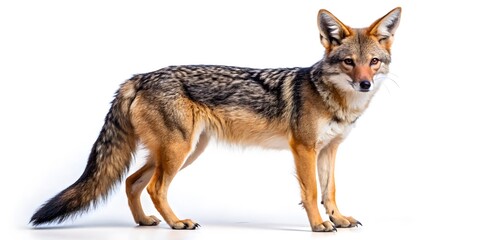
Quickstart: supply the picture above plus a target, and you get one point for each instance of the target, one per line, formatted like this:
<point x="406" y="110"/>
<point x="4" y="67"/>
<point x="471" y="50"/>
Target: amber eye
<point x="348" y="61"/>
<point x="374" y="61"/>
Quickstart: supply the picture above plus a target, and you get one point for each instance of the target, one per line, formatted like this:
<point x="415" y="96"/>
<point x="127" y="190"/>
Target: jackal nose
<point x="365" y="85"/>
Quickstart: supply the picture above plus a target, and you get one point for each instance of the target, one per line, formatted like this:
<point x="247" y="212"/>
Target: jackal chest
<point x="328" y="131"/>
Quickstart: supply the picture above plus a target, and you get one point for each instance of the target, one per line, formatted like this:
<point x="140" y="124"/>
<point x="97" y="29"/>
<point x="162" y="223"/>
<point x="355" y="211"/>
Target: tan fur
<point x="176" y="111"/>
<point x="171" y="151"/>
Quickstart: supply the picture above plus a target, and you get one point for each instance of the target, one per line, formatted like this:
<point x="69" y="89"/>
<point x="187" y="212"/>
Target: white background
<point x="409" y="169"/>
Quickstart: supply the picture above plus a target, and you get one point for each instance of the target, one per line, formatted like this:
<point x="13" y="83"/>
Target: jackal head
<point x="356" y="58"/>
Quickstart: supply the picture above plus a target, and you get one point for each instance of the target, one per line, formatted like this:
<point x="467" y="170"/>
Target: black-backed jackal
<point x="175" y="111"/>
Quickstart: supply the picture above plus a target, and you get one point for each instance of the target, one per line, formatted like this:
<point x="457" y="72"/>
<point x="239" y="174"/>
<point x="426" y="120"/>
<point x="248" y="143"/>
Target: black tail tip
<point x="55" y="210"/>
<point x="37" y="220"/>
<point x="42" y="217"/>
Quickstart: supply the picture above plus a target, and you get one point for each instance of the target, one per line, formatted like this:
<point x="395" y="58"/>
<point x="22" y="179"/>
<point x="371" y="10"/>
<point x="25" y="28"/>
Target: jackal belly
<point x="246" y="128"/>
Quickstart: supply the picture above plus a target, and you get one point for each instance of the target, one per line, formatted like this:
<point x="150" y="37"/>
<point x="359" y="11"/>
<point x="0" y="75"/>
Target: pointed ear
<point x="332" y="31"/>
<point x="385" y="27"/>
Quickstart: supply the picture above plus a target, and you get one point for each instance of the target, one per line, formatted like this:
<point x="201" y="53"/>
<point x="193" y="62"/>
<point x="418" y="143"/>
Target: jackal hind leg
<point x="134" y="187"/>
<point x="169" y="160"/>
<point x="202" y="143"/>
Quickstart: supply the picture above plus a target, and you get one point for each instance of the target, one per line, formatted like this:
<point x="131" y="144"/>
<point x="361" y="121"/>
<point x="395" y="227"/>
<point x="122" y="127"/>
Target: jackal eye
<point x="374" y="61"/>
<point x="348" y="61"/>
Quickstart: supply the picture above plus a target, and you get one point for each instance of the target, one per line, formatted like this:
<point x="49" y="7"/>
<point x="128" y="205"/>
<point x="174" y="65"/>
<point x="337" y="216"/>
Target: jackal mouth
<point x="363" y="90"/>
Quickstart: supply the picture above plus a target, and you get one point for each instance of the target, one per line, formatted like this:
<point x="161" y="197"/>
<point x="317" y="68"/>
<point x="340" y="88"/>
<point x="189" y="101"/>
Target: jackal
<point x="175" y="111"/>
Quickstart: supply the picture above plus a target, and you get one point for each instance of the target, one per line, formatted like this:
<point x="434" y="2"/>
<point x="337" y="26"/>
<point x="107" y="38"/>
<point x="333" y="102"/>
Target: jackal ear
<point x="332" y="30"/>
<point x="384" y="28"/>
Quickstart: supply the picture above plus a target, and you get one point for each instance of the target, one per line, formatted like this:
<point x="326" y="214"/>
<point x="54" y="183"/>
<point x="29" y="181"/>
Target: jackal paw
<point x="324" y="227"/>
<point x="344" y="222"/>
<point x="185" y="224"/>
<point x="149" y="221"/>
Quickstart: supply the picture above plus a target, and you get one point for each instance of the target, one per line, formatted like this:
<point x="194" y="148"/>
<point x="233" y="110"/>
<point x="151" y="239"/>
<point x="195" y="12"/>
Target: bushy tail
<point x="107" y="164"/>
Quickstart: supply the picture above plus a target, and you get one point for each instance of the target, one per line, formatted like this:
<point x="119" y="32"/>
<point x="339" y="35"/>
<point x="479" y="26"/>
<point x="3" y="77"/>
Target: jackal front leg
<point x="326" y="167"/>
<point x="305" y="166"/>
